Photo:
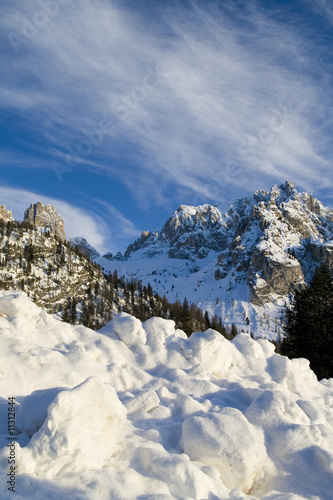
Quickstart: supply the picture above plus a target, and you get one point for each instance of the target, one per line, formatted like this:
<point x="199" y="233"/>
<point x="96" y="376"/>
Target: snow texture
<point x="138" y="411"/>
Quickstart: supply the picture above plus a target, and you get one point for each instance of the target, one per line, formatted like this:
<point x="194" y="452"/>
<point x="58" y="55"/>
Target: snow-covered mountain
<point x="243" y="264"/>
<point x="35" y="258"/>
<point x="84" y="247"/>
<point x="61" y="277"/>
<point x="140" y="411"/>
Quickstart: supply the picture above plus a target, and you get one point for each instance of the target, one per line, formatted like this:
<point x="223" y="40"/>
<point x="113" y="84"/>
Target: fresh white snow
<point x="139" y="411"/>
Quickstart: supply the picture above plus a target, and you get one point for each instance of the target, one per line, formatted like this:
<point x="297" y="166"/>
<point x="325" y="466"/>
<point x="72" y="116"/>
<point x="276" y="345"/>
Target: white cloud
<point x="106" y="229"/>
<point x="201" y="124"/>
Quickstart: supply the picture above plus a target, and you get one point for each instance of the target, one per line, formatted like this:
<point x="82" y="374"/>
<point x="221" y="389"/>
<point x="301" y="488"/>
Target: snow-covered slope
<point x="139" y="411"/>
<point x="84" y="247"/>
<point x="242" y="265"/>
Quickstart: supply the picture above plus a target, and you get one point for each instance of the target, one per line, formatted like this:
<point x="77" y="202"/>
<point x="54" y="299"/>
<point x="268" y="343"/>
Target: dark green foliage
<point x="207" y="320"/>
<point x="66" y="312"/>
<point x="69" y="313"/>
<point x="233" y="331"/>
<point x="87" y="317"/>
<point x="73" y="313"/>
<point x="309" y="324"/>
<point x="218" y="326"/>
<point x="186" y="318"/>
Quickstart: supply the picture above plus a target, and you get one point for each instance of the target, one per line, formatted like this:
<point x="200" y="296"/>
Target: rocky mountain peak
<point x="263" y="248"/>
<point x="189" y="218"/>
<point x="146" y="239"/>
<point x="193" y="231"/>
<point x="5" y="215"/>
<point x="84" y="247"/>
<point x="289" y="188"/>
<point x="277" y="195"/>
<point x="45" y="216"/>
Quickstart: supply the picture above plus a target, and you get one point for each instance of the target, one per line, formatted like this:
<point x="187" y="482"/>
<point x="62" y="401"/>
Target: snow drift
<point x="138" y="411"/>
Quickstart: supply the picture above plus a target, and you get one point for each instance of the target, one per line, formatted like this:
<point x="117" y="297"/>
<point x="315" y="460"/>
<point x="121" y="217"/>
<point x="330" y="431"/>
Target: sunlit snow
<point x="139" y="411"/>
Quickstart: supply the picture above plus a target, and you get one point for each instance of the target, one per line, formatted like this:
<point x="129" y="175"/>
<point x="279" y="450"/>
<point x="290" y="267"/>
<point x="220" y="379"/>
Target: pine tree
<point x="186" y="319"/>
<point x="309" y="324"/>
<point x="233" y="331"/>
<point x="66" y="312"/>
<point x="207" y="320"/>
<point x="73" y="313"/>
<point x="88" y="310"/>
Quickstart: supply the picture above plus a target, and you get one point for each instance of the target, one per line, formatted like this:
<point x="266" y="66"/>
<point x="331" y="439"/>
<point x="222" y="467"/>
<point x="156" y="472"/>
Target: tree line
<point x="62" y="279"/>
<point x="141" y="301"/>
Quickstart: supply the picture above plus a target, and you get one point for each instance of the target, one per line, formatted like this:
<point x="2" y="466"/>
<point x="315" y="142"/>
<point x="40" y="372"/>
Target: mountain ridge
<point x="255" y="255"/>
<point x="243" y="265"/>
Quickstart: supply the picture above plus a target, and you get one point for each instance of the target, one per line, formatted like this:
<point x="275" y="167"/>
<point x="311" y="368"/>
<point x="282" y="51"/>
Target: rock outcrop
<point x="5" y="215"/>
<point x="84" y="247"/>
<point x="46" y="216"/>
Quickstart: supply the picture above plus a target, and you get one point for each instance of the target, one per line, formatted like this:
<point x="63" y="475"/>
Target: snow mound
<point x="33" y="410"/>
<point x="83" y="430"/>
<point x="140" y="411"/>
<point x="228" y="442"/>
<point x="158" y="330"/>
<point x="14" y="303"/>
<point x="127" y="328"/>
<point x="215" y="353"/>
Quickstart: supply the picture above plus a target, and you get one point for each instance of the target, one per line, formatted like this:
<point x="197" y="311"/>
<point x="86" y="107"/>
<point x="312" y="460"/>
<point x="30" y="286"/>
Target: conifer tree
<point x="73" y="313"/>
<point x="186" y="319"/>
<point x="66" y="312"/>
<point x="309" y="325"/>
<point x="207" y="320"/>
<point x="233" y="331"/>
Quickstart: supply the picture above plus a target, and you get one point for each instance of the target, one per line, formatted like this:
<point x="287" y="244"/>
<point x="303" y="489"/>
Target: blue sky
<point x="116" y="112"/>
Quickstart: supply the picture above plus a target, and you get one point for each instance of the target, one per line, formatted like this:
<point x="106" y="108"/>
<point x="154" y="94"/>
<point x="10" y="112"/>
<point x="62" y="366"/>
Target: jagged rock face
<point x="145" y="239"/>
<point x="189" y="234"/>
<point x="193" y="231"/>
<point x="84" y="247"/>
<point x="108" y="256"/>
<point x="50" y="272"/>
<point x="269" y="242"/>
<point x="322" y="253"/>
<point x="270" y="276"/>
<point x="274" y="250"/>
<point x="5" y="215"/>
<point x="46" y="216"/>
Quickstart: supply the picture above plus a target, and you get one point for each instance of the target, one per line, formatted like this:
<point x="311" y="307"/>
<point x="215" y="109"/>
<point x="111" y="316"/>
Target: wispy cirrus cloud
<point x="325" y="8"/>
<point x="206" y="98"/>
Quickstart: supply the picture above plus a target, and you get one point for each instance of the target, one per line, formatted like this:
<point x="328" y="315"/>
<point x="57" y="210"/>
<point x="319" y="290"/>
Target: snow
<point x="139" y="411"/>
<point x="228" y="442"/>
<point x="126" y="328"/>
<point x="82" y="431"/>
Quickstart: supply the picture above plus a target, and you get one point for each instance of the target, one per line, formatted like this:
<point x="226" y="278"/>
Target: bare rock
<point x="46" y="216"/>
<point x="5" y="214"/>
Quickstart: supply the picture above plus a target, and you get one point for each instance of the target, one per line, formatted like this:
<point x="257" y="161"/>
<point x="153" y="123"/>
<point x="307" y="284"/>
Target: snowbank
<point x="127" y="329"/>
<point x="83" y="430"/>
<point x="138" y="411"/>
<point x="227" y="441"/>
